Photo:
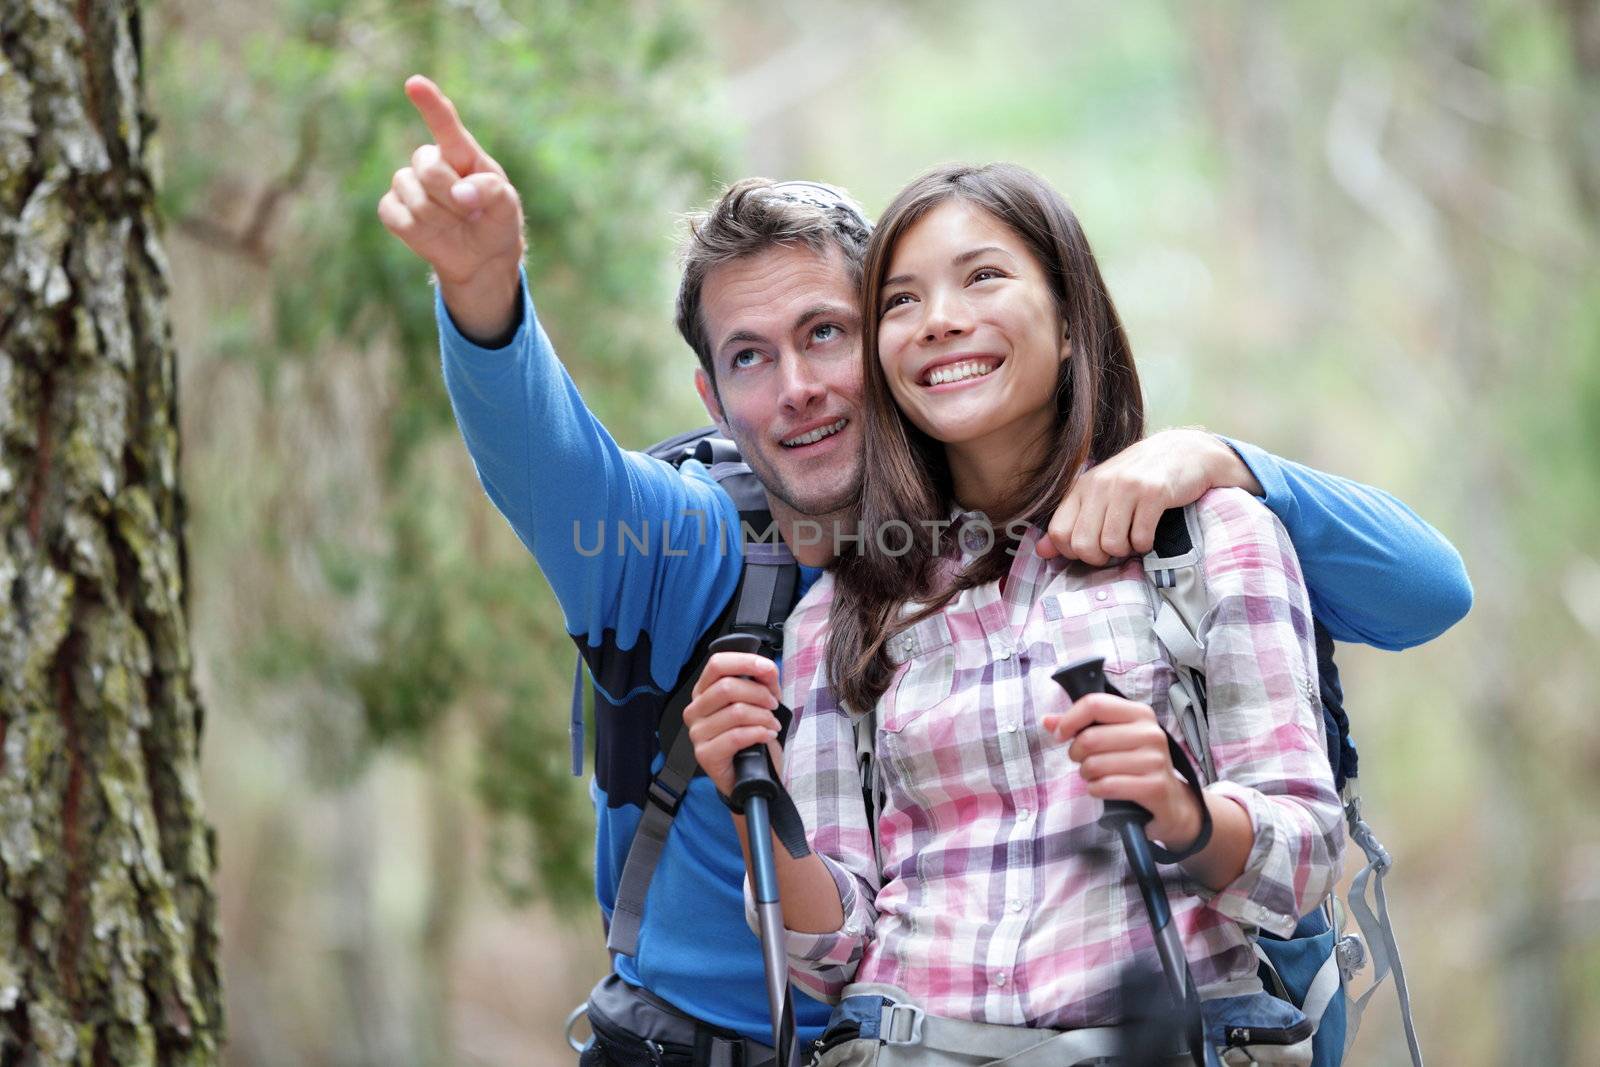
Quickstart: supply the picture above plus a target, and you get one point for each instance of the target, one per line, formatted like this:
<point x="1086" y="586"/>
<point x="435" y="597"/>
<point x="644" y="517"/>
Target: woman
<point x="992" y="895"/>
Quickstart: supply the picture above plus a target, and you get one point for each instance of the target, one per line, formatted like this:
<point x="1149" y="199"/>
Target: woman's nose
<point x="947" y="316"/>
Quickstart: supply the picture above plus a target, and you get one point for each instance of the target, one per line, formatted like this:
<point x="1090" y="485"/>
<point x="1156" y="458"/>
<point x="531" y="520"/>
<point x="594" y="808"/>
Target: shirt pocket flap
<point x="927" y="636"/>
<point x="1112" y="620"/>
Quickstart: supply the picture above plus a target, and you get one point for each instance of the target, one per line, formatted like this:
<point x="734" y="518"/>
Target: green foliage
<point x="590" y="108"/>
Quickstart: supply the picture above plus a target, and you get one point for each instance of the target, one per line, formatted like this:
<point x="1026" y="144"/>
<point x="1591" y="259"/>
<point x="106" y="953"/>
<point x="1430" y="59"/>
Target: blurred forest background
<point x="1363" y="235"/>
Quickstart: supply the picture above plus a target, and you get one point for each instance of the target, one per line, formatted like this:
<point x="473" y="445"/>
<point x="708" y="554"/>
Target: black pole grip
<point x="752" y="775"/>
<point x="1079" y="679"/>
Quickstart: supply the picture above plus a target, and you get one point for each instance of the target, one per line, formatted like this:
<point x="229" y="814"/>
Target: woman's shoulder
<point x="1240" y="533"/>
<point x="1230" y="515"/>
<point x="805" y="634"/>
<point x="811" y="613"/>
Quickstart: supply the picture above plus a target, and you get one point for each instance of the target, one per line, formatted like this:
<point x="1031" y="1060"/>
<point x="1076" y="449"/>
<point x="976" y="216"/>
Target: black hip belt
<point x="635" y="1028"/>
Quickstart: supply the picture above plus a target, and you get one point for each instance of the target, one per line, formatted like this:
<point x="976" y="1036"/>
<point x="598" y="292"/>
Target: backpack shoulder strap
<point x="1175" y="569"/>
<point x="768" y="584"/>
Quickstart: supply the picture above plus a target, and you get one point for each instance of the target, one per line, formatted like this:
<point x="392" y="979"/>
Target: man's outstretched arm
<point x="1375" y="571"/>
<point x="545" y="461"/>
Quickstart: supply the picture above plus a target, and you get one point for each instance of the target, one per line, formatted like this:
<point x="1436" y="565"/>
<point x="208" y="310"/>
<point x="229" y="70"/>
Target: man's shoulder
<point x="688" y="494"/>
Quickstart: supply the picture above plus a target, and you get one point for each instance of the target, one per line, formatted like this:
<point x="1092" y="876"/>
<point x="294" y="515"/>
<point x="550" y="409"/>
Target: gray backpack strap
<point x="1376" y="928"/>
<point x="872" y="797"/>
<point x="655" y="823"/>
<point x="1174" y="568"/>
<point x="766" y="593"/>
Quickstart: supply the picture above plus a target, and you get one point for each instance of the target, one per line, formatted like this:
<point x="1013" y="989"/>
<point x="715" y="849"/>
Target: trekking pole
<point x="753" y="789"/>
<point x="1128" y="819"/>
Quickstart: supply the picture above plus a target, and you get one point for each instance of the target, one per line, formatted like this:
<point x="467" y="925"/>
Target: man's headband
<point x="822" y="196"/>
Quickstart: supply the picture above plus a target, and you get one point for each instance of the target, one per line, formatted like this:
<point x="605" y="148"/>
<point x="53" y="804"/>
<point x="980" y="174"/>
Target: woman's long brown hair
<point x="1099" y="412"/>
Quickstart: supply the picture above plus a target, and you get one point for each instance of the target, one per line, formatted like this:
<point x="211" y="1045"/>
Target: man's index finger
<point x="457" y="146"/>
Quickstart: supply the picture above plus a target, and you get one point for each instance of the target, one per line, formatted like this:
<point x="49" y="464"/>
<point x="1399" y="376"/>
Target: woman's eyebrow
<point x="986" y="250"/>
<point x="961" y="260"/>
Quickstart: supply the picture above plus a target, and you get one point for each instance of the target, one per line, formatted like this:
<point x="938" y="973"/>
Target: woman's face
<point x="968" y="333"/>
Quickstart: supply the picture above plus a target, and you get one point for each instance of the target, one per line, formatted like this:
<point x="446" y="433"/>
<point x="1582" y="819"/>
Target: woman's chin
<point x="960" y="431"/>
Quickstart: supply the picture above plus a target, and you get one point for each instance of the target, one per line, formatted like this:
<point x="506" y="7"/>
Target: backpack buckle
<point x="1352" y="953"/>
<point x="900" y="1024"/>
<point x="771" y="637"/>
<point x="664" y="798"/>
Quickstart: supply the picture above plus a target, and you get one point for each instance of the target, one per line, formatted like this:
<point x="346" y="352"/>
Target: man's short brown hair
<point x="751" y="217"/>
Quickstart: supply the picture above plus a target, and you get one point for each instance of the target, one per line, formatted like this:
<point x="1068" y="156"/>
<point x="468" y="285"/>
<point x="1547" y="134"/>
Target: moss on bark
<point x="107" y="911"/>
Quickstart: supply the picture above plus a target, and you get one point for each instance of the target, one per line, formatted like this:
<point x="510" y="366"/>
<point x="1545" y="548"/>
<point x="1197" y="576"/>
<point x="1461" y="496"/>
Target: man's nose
<point x="799" y="388"/>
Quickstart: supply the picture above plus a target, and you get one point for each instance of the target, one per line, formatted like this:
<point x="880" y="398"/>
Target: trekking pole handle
<point x="751" y="776"/>
<point x="1079" y="679"/>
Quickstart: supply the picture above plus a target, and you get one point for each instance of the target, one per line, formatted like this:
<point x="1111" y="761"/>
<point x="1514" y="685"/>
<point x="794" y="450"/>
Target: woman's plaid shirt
<point x="998" y="897"/>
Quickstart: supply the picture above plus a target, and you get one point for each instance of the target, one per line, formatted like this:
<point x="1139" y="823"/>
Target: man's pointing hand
<point x="454" y="208"/>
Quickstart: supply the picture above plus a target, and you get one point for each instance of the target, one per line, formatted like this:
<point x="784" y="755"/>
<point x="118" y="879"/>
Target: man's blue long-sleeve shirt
<point x="1376" y="572"/>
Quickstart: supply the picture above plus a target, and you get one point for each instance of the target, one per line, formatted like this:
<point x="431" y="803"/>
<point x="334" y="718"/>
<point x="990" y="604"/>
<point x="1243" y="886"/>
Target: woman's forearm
<point x="1232" y="836"/>
<point x="808" y="893"/>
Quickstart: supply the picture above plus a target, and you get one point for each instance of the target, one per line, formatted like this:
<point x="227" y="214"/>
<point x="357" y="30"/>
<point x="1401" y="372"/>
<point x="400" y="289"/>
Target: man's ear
<point x="708" y="397"/>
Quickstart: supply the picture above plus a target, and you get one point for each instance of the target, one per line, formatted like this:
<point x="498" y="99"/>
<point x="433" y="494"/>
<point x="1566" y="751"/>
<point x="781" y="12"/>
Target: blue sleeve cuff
<point x="458" y="344"/>
<point x="1268" y="471"/>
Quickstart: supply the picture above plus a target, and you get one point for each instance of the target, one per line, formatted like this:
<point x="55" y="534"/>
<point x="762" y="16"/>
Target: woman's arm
<point x="828" y="898"/>
<point x="732" y="709"/>
<point x="1265" y="724"/>
<point x="1121" y="752"/>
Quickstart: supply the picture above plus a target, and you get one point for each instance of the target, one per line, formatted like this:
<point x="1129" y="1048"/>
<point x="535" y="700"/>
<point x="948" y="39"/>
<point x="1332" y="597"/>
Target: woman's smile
<point x="958" y="370"/>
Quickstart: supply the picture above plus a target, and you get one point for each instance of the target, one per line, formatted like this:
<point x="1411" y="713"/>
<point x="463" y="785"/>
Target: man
<point x="768" y="304"/>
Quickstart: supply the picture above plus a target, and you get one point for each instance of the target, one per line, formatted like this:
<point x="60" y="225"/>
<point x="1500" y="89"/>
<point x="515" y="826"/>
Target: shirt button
<point x="1024" y="814"/>
<point x="1000" y="979"/>
<point x="1011" y="727"/>
<point x="1101" y="595"/>
<point x="1016" y="905"/>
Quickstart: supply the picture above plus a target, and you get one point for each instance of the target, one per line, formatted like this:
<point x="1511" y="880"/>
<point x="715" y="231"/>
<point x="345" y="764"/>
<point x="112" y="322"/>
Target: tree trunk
<point x="107" y="914"/>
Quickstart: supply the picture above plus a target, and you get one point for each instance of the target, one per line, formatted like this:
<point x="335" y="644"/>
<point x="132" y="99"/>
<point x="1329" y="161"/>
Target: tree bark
<point x="108" y="941"/>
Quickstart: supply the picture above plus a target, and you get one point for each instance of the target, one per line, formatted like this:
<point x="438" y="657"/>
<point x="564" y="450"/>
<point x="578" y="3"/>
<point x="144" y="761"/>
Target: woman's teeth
<point x="815" y="435"/>
<point x="955" y="372"/>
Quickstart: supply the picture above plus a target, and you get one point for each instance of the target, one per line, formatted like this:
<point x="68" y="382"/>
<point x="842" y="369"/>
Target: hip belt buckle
<point x="901" y="1024"/>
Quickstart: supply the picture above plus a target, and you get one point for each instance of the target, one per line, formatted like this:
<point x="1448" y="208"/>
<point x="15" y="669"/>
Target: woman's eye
<point x="985" y="274"/>
<point x="897" y="300"/>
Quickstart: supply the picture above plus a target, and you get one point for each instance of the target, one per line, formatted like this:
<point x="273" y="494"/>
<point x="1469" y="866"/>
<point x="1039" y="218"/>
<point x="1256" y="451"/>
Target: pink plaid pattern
<point x="999" y="898"/>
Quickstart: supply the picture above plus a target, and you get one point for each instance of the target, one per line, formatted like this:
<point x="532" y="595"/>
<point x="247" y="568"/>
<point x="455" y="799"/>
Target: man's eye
<point x="745" y="358"/>
<point x="826" y="332"/>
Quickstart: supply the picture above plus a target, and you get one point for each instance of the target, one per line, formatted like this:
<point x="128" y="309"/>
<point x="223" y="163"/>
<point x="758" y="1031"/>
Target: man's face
<point x="785" y="337"/>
